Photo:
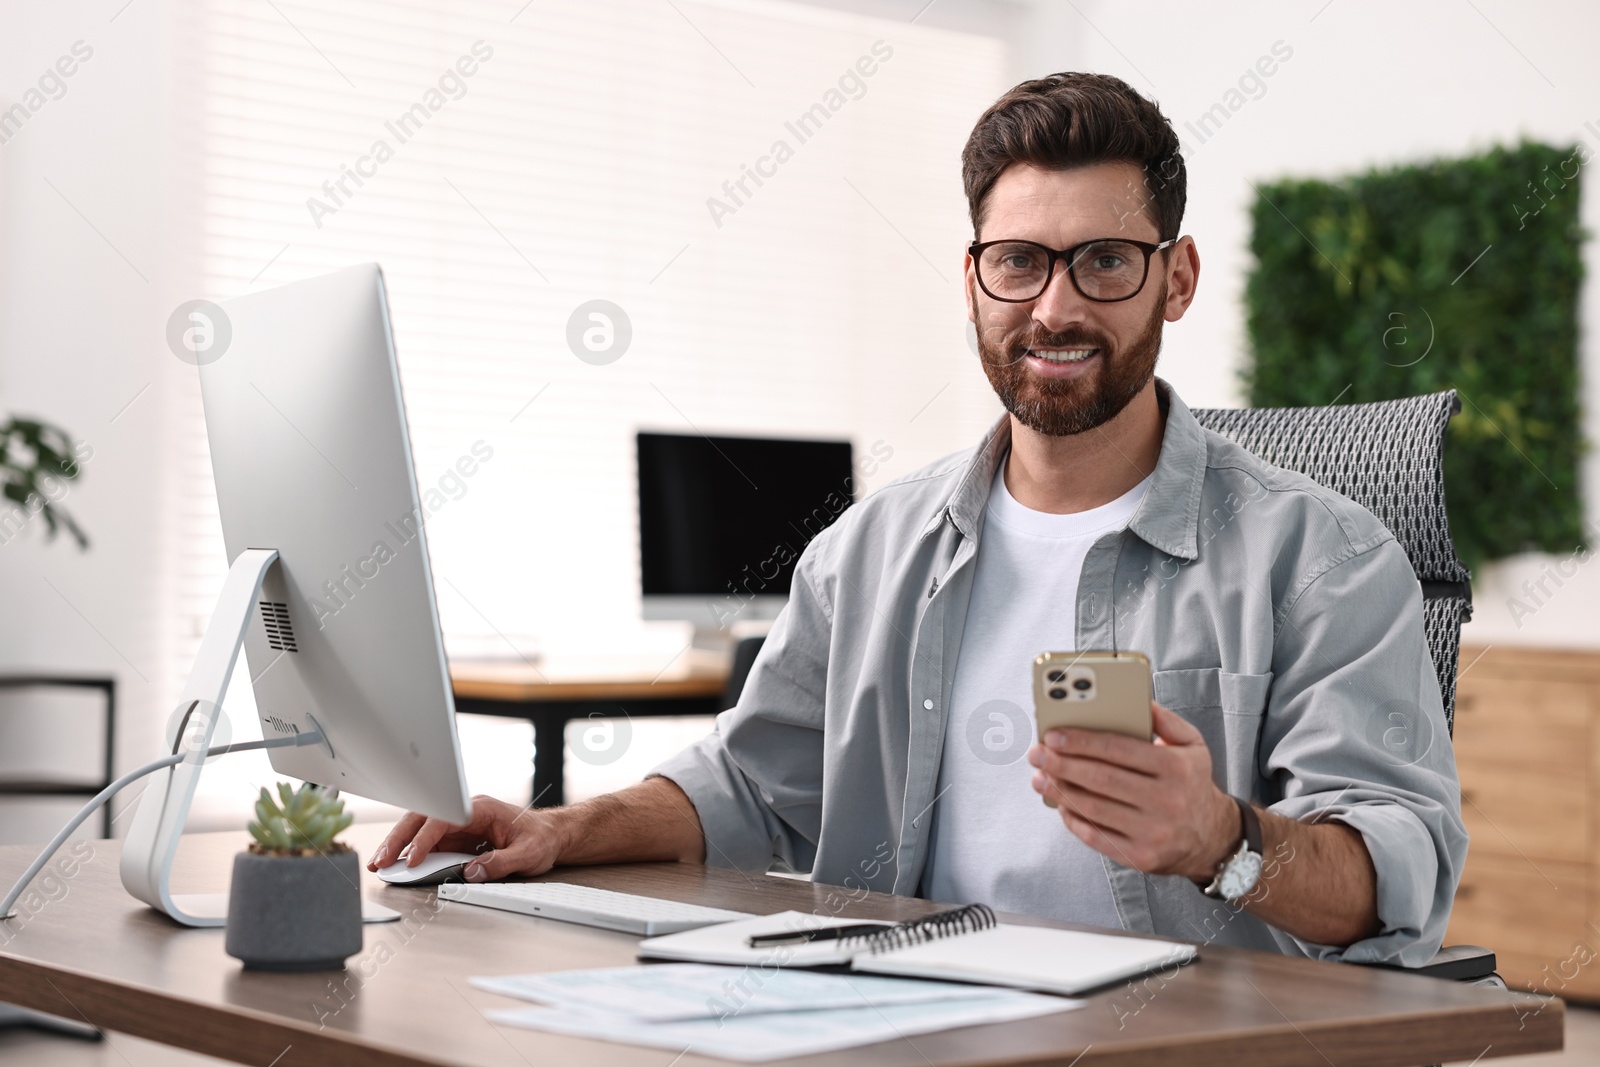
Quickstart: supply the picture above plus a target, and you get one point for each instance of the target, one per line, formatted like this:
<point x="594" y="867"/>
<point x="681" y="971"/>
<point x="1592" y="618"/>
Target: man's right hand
<point x="651" y="821"/>
<point x="509" y="840"/>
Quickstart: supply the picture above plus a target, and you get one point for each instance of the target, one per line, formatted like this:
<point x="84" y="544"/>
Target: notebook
<point x="962" y="945"/>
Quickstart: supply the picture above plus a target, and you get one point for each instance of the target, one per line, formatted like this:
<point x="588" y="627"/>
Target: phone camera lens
<point x="1057" y="676"/>
<point x="1081" y="684"/>
<point x="1058" y="694"/>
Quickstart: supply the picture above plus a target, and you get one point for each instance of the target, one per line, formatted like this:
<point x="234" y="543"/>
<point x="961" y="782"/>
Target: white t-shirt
<point x="994" y="840"/>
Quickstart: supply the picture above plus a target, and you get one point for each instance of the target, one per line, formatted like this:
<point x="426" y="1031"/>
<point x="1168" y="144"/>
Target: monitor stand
<point x="152" y="840"/>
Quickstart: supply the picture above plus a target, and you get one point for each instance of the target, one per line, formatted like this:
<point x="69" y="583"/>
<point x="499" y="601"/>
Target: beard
<point x="1060" y="407"/>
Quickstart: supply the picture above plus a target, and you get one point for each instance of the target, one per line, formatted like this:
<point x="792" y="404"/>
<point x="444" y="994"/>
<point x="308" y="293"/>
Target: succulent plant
<point x="301" y="822"/>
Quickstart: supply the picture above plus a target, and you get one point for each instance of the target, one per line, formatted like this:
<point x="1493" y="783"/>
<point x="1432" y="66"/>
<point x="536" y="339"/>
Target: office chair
<point x="1389" y="458"/>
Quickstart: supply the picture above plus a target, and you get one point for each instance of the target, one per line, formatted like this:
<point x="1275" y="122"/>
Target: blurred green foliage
<point x="1380" y="286"/>
<point x="36" y="461"/>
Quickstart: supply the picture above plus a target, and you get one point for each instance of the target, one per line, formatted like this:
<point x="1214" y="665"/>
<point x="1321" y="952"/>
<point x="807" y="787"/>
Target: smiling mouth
<point x="1063" y="355"/>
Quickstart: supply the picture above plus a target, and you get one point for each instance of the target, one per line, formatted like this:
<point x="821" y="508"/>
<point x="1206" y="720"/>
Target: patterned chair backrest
<point x="1389" y="458"/>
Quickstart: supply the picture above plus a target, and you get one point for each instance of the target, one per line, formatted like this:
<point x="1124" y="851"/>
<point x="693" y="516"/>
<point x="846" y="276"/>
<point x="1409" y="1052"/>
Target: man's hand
<point x="1154" y="807"/>
<point x="1149" y="806"/>
<point x="509" y="839"/>
<point x="654" y="820"/>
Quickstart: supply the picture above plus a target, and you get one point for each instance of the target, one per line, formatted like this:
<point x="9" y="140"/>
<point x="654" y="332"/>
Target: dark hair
<point x="1071" y="120"/>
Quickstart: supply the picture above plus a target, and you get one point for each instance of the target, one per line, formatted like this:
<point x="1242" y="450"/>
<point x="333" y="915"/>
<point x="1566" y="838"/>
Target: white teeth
<point x="1067" y="355"/>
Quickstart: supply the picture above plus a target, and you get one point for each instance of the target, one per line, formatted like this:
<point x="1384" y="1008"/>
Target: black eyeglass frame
<point x="976" y="249"/>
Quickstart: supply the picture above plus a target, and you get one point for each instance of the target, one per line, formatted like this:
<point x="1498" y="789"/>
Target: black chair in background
<point x="11" y="1016"/>
<point x="43" y="787"/>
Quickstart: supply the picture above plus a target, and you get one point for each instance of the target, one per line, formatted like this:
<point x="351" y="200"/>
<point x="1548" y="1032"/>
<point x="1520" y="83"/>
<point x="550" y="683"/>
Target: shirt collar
<point x="1168" y="517"/>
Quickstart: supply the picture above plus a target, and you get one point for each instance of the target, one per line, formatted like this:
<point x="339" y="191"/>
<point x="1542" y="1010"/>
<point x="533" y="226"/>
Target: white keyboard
<point x="592" y="907"/>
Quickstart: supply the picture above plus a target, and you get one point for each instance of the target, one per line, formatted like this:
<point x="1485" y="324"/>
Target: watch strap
<point x="1250" y="829"/>
<point x="1252" y="825"/>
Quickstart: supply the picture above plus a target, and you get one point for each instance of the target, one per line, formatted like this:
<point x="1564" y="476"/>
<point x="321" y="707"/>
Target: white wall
<point x="76" y="306"/>
<point x="126" y="155"/>
<point x="1369" y="83"/>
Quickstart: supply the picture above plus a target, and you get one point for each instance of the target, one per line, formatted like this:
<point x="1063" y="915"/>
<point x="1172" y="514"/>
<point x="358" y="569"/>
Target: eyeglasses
<point x="1104" y="270"/>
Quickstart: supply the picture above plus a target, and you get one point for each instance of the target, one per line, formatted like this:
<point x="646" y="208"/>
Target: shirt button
<point x="927" y="705"/>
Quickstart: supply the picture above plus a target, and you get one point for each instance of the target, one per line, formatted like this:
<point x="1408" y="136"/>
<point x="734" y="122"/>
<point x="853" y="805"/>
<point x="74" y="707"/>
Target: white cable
<point x="309" y="738"/>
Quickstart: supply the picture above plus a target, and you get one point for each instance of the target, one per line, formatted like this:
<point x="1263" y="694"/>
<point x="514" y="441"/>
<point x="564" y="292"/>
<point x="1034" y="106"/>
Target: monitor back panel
<point x="312" y="457"/>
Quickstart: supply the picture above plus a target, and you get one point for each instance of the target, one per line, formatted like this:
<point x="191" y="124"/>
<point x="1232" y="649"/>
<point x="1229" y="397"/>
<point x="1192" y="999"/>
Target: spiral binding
<point x="966" y="920"/>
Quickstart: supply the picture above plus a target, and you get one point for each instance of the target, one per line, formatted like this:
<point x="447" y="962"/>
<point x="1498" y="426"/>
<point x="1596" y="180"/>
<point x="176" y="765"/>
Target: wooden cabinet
<point x="1527" y="744"/>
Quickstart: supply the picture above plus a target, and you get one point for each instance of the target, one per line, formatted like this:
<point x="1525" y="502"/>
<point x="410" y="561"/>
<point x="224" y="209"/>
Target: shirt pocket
<point x="1227" y="710"/>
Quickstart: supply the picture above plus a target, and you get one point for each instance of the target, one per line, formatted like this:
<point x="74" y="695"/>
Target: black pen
<point x="826" y="933"/>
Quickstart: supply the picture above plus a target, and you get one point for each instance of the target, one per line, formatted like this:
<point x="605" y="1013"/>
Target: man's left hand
<point x="1148" y="805"/>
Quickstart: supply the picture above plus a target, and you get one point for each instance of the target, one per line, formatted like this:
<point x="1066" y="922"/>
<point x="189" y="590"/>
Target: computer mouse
<point x="437" y="867"/>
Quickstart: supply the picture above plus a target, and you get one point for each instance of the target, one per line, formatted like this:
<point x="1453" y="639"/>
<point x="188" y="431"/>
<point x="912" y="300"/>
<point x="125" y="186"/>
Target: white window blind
<point x="506" y="171"/>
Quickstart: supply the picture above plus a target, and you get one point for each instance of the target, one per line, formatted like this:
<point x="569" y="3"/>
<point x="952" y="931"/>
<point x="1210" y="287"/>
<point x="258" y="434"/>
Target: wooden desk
<point x="96" y="954"/>
<point x="551" y="695"/>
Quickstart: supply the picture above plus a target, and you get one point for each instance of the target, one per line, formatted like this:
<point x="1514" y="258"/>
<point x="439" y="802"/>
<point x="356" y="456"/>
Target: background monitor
<point x="312" y="457"/>
<point x="722" y="521"/>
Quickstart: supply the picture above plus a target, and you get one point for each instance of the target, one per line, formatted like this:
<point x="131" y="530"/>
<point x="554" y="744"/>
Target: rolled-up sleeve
<point x="1355" y="733"/>
<point x="756" y="780"/>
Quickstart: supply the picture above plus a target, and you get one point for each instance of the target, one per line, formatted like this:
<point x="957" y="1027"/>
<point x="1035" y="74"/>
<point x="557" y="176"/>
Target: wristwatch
<point x="1238" y="874"/>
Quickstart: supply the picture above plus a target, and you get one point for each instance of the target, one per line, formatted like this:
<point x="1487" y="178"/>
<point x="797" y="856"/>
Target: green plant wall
<point x="1456" y="274"/>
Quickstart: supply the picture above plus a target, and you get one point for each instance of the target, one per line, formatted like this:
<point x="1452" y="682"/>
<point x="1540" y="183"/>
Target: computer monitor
<point x="723" y="520"/>
<point x="330" y="584"/>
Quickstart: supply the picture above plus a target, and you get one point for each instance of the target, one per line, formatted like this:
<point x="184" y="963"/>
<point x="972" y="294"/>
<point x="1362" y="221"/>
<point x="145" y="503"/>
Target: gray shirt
<point x="1281" y="619"/>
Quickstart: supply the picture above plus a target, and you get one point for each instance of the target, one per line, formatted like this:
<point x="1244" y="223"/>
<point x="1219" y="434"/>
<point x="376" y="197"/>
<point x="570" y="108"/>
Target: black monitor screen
<point x="725" y="514"/>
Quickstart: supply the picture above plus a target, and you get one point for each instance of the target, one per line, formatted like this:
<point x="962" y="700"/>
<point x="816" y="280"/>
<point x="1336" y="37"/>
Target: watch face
<point x="1240" y="876"/>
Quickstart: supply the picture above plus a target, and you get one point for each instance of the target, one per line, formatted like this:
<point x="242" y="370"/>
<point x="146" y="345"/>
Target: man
<point x="879" y="742"/>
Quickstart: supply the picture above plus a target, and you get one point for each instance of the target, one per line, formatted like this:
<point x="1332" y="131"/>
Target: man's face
<point x="1062" y="363"/>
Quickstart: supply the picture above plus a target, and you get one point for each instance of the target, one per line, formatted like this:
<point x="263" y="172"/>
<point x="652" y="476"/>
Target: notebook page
<point x="725" y="942"/>
<point x="1030" y="957"/>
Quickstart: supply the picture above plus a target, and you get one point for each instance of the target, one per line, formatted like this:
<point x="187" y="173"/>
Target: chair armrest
<point x="1459" y="963"/>
<point x="1454" y="963"/>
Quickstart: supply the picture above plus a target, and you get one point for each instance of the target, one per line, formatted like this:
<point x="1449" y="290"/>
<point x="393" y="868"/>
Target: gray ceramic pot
<point x="295" y="913"/>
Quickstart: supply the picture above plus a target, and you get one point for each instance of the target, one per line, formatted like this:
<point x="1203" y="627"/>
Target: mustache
<point x="1073" y="338"/>
<point x="1013" y="349"/>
